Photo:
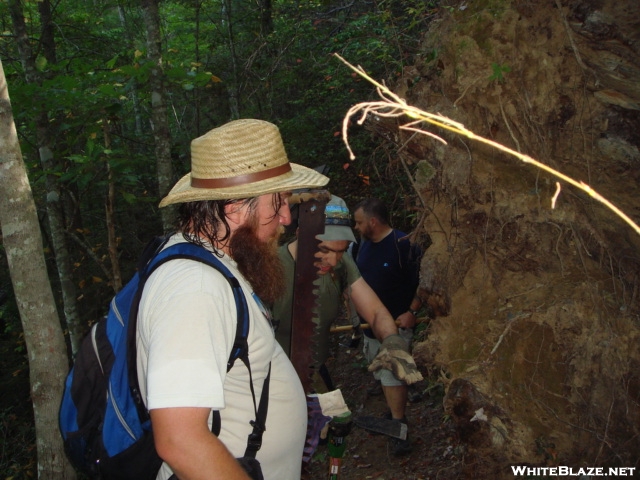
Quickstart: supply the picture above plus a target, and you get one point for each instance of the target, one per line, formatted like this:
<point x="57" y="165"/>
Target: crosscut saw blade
<point x="304" y="311"/>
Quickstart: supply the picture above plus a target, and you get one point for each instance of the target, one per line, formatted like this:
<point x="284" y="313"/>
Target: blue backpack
<point x="105" y="425"/>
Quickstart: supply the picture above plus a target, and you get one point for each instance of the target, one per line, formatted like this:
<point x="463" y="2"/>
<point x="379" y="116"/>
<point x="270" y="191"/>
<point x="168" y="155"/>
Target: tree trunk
<point x="196" y="39"/>
<point x="232" y="89"/>
<point x="53" y="204"/>
<point x="159" y="121"/>
<point x="47" y="38"/>
<point x="22" y="240"/>
<point x="266" y="18"/>
<point x="134" y="91"/>
<point x="110" y="217"/>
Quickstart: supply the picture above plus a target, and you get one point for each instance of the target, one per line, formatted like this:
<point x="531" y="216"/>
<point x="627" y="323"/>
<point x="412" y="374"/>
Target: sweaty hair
<point x="206" y="222"/>
<point x="373" y="207"/>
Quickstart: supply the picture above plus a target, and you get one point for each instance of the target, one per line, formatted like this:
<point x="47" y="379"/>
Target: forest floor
<point x="436" y="453"/>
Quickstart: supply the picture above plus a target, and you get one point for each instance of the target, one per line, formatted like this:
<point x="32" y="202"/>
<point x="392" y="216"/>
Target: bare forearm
<point x="187" y="445"/>
<point x="372" y="309"/>
<point x="208" y="459"/>
<point x="382" y="324"/>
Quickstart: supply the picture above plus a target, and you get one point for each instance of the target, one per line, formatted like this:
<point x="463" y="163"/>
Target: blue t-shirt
<point x="391" y="267"/>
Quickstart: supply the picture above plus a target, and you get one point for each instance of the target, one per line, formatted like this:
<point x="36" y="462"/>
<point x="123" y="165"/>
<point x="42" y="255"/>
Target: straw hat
<point x="241" y="159"/>
<point x="337" y="222"/>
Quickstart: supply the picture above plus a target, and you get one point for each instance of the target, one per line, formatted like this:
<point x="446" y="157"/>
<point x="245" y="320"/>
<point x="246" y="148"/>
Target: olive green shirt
<point x="330" y="299"/>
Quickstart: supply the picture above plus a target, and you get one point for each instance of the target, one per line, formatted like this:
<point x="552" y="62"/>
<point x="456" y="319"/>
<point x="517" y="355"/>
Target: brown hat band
<point x="240" y="179"/>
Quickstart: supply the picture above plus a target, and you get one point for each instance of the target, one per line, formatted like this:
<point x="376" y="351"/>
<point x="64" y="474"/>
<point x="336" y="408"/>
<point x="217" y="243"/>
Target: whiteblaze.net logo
<point x="573" y="472"/>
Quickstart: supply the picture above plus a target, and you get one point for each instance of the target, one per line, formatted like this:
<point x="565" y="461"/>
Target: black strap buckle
<point x="254" y="441"/>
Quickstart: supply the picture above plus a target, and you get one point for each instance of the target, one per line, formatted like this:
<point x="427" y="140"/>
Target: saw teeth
<point x="315" y="318"/>
<point x="305" y="321"/>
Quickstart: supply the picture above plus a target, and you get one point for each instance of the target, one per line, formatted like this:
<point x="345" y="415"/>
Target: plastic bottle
<point x="339" y="427"/>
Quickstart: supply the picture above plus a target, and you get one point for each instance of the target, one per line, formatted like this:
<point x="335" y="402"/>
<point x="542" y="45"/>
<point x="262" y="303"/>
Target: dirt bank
<point x="537" y="320"/>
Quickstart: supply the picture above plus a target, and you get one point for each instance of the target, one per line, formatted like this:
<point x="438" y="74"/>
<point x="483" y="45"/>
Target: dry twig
<point x="507" y="328"/>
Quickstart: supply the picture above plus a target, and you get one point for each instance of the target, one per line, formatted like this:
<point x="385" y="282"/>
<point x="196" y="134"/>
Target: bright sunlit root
<point x="393" y="106"/>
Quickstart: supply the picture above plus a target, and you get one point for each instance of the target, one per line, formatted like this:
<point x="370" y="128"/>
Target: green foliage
<point x="360" y="364"/>
<point x="435" y="391"/>
<point x="431" y="56"/>
<point x="320" y="456"/>
<point x="498" y="72"/>
<point x="475" y="19"/>
<point x="424" y="173"/>
<point x="418" y="12"/>
<point x="97" y="87"/>
<point x="420" y="331"/>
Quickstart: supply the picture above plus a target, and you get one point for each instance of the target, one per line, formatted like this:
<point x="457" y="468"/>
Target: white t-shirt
<point x="186" y="329"/>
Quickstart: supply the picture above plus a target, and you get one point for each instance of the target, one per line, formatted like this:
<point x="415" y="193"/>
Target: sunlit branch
<point x="392" y="106"/>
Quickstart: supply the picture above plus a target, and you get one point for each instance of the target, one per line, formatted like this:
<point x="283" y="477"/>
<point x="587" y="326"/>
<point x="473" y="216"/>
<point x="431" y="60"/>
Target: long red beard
<point x="259" y="263"/>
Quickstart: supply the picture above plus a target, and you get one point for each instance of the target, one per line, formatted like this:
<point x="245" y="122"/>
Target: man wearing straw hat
<point x="234" y="203"/>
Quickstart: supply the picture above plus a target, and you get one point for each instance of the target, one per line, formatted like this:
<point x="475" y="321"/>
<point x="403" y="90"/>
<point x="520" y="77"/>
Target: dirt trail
<point x="436" y="450"/>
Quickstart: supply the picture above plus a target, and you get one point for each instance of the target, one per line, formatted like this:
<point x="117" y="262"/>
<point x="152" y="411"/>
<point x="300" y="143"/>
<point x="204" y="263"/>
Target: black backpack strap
<point x="254" y="441"/>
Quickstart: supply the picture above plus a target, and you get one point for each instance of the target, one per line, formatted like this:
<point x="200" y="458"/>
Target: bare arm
<point x="184" y="441"/>
<point x="372" y="309"/>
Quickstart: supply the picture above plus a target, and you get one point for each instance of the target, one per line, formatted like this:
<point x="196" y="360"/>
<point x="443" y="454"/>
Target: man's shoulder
<point x="403" y="238"/>
<point x="409" y="252"/>
<point x="400" y="236"/>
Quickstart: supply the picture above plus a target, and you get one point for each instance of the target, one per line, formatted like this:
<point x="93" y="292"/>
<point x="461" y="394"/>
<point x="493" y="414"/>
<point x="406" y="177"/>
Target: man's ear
<point x="235" y="212"/>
